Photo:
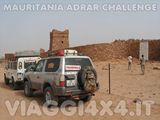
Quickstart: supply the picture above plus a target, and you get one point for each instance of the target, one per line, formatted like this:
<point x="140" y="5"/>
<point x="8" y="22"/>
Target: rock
<point x="156" y="68"/>
<point x="137" y="100"/>
<point x="154" y="93"/>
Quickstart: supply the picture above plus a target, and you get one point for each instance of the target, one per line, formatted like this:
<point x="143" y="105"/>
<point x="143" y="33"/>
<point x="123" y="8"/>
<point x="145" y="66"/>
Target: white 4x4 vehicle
<point x="14" y="72"/>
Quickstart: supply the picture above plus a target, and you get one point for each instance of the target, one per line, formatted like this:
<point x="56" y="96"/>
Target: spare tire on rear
<point x="87" y="79"/>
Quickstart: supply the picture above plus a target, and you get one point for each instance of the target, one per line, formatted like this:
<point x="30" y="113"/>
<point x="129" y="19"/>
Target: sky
<point x="29" y="30"/>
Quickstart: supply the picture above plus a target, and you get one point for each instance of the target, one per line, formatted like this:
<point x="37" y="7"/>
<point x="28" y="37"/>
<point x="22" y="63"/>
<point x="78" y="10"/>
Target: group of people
<point x="142" y="63"/>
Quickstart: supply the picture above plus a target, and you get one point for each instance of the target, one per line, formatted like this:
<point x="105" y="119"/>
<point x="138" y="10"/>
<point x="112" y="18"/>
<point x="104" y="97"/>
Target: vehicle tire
<point x="27" y="89"/>
<point x="86" y="98"/>
<point x="49" y="97"/>
<point x="6" y="81"/>
<point x="14" y="85"/>
<point x="87" y="79"/>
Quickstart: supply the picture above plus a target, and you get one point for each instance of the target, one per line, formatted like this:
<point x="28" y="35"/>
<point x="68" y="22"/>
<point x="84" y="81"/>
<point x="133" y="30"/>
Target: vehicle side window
<point x="52" y="65"/>
<point x="9" y="65"/>
<point x="14" y="65"/>
<point x="40" y="65"/>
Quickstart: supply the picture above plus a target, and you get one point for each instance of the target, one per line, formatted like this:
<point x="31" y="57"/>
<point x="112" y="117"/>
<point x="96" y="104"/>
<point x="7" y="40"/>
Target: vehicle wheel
<point x="86" y="98"/>
<point x="49" y="97"/>
<point x="14" y="85"/>
<point x="27" y="89"/>
<point x="6" y="81"/>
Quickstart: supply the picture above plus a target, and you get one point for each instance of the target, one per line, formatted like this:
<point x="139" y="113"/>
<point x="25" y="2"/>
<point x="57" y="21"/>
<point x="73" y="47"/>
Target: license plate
<point x="71" y="82"/>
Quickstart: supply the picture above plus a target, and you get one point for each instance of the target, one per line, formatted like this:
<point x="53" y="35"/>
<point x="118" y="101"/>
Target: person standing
<point x="129" y="62"/>
<point x="142" y="63"/>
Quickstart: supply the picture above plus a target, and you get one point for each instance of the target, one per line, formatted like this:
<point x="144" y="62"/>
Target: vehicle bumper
<point x="76" y="94"/>
<point x="19" y="82"/>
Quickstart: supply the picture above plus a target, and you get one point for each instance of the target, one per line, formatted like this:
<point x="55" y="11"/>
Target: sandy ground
<point x="125" y="85"/>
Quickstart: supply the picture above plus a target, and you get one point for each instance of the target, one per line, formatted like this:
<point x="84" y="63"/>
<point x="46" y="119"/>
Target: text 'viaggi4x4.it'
<point x="65" y="74"/>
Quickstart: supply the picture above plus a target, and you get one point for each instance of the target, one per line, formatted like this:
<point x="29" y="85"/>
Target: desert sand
<point x="125" y="85"/>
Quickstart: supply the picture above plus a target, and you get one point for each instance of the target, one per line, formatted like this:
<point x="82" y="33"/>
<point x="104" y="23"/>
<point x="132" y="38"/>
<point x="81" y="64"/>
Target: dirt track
<point x="126" y="85"/>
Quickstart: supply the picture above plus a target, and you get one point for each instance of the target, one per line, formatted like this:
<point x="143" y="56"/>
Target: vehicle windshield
<point x="76" y="63"/>
<point x="27" y="64"/>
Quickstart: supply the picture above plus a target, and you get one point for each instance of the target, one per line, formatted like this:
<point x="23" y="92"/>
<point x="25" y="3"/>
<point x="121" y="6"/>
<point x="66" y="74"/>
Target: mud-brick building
<point x="59" y="40"/>
<point x="10" y="56"/>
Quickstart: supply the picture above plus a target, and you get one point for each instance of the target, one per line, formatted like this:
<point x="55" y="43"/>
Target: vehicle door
<point x="8" y="70"/>
<point x="36" y="76"/>
<point x="52" y="71"/>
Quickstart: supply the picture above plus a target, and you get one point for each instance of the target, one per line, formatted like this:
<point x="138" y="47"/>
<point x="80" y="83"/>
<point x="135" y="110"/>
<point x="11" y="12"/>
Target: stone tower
<point x="59" y="40"/>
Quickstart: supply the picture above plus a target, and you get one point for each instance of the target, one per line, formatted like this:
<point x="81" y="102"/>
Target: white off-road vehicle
<point x="14" y="71"/>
